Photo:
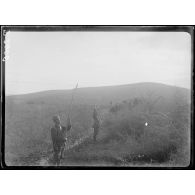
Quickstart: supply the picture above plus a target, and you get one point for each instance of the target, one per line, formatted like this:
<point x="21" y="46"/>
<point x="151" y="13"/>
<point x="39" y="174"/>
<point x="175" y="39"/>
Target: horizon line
<point x="96" y="87"/>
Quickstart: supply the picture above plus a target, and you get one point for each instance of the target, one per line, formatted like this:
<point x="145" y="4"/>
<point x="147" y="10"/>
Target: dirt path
<point x="46" y="160"/>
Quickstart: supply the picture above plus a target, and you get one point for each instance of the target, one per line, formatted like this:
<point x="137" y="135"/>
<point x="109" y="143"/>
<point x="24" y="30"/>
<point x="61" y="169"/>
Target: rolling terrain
<point x="124" y="139"/>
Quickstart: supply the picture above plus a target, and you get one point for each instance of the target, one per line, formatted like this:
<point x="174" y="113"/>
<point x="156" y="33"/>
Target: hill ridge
<point x="100" y="87"/>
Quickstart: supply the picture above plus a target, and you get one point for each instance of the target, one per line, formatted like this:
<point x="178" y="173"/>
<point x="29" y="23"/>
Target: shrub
<point x="165" y="138"/>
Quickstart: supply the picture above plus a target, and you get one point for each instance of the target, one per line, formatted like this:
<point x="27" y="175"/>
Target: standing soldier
<point x="59" y="138"/>
<point x="96" y="124"/>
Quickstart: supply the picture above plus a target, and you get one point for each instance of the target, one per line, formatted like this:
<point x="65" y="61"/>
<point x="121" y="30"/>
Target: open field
<point x="144" y="124"/>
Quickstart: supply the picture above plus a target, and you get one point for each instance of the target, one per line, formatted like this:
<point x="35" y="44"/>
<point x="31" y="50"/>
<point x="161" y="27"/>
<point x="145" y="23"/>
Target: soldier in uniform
<point x="96" y="124"/>
<point x="59" y="138"/>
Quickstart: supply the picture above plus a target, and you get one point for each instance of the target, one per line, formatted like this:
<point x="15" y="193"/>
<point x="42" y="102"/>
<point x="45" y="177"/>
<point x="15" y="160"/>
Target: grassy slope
<point x="28" y="117"/>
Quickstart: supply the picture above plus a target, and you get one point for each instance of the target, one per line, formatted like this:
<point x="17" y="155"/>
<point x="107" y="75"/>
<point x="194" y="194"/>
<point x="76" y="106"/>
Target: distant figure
<point x="59" y="138"/>
<point x="96" y="124"/>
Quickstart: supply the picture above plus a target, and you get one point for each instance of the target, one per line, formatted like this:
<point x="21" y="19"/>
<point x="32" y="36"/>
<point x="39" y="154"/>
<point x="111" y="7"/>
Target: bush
<point x="165" y="139"/>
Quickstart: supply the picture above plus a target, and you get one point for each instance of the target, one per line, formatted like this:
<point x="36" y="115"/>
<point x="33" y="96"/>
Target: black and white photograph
<point x="97" y="96"/>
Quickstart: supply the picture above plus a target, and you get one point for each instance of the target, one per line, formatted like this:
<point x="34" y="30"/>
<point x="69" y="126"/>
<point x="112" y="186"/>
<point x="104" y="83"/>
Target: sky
<point x="39" y="61"/>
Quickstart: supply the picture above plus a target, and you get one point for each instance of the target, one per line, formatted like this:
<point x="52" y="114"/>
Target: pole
<point x="70" y="107"/>
<point x="68" y="120"/>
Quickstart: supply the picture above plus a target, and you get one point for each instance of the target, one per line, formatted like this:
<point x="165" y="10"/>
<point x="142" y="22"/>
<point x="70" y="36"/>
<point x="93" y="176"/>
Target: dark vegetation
<point x="143" y="124"/>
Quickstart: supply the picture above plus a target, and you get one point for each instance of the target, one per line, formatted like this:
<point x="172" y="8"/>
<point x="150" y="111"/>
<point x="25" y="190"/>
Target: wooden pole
<point x="70" y="107"/>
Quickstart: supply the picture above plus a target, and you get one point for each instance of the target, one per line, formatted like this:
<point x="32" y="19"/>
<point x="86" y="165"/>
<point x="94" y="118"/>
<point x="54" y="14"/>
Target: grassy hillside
<point x="99" y="95"/>
<point x="124" y="111"/>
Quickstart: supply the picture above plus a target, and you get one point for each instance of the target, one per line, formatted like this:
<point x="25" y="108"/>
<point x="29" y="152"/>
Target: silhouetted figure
<point x="59" y="138"/>
<point x="96" y="124"/>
